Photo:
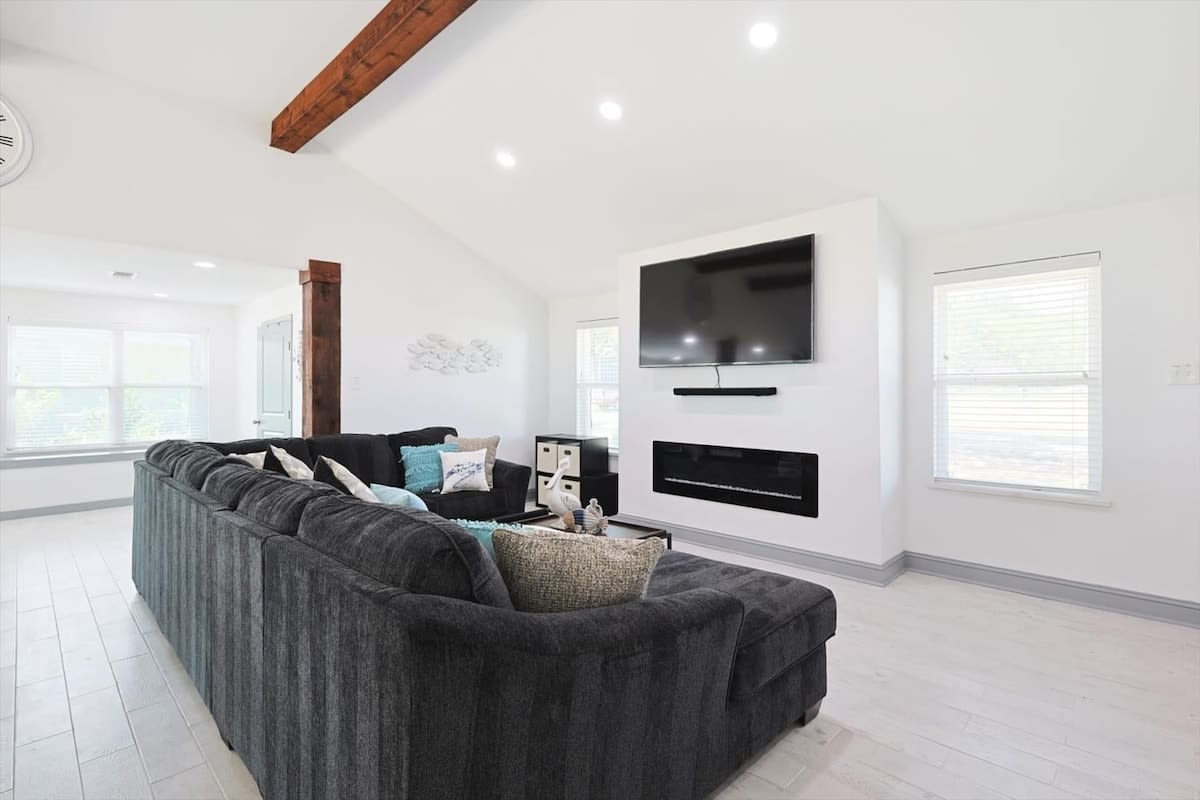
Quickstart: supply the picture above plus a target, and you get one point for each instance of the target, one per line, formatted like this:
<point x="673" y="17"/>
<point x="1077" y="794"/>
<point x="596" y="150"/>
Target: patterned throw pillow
<point x="423" y="466"/>
<point x="489" y="443"/>
<point x="547" y="571"/>
<point x="282" y="461"/>
<point x="463" y="472"/>
<point x="339" y="477"/>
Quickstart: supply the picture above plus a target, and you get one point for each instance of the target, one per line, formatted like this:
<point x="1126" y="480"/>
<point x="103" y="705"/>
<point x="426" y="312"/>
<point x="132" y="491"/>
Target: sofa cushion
<point x="164" y="454"/>
<point x="786" y="618"/>
<point x="465" y="505"/>
<point x="434" y="435"/>
<point x="194" y="465"/>
<point x="228" y="482"/>
<point x="367" y="455"/>
<point x="297" y="447"/>
<point x="411" y="550"/>
<point x="277" y="501"/>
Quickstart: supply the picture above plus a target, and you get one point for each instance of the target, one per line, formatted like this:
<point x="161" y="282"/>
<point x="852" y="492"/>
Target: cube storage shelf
<point x="587" y="474"/>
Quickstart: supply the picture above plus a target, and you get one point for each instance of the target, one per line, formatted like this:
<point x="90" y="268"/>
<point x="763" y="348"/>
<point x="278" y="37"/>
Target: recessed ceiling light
<point x="204" y="264"/>
<point x="161" y="295"/>
<point x="689" y="339"/>
<point x="506" y="159"/>
<point x="758" y="349"/>
<point x="611" y="111"/>
<point x="123" y="276"/>
<point x="763" y="35"/>
<point x="677" y="358"/>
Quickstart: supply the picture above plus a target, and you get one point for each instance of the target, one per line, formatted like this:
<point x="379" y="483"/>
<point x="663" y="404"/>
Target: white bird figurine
<point x="559" y="501"/>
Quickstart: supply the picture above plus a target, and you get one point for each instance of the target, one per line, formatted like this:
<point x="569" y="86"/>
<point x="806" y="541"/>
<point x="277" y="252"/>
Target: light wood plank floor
<point x="937" y="690"/>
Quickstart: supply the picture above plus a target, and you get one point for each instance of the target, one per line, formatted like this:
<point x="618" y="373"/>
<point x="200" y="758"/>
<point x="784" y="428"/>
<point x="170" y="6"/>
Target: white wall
<point x="182" y="175"/>
<point x="1149" y="540"/>
<point x="891" y="386"/>
<point x="565" y="314"/>
<point x="831" y="407"/>
<point x="282" y="302"/>
<point x="48" y="486"/>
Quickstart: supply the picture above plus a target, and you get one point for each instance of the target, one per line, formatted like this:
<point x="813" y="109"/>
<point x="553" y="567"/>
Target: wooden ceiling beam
<point x="394" y="36"/>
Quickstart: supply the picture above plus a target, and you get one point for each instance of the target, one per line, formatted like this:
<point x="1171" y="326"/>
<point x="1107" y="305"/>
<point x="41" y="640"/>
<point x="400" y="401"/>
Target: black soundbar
<point x="743" y="391"/>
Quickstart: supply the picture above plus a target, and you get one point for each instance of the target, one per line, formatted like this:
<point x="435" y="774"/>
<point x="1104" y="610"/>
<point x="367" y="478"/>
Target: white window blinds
<point x="596" y="380"/>
<point x="1017" y="392"/>
<point x="72" y="388"/>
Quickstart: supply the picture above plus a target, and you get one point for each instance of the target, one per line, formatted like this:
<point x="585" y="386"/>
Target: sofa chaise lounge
<point x="349" y="649"/>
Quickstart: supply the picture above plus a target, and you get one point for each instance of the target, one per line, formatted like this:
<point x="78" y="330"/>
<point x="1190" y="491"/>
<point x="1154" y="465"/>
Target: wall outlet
<point x="1183" y="373"/>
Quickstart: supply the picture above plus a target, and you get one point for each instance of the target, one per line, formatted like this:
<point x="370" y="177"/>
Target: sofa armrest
<point x="512" y="482"/>
<point x="591" y="703"/>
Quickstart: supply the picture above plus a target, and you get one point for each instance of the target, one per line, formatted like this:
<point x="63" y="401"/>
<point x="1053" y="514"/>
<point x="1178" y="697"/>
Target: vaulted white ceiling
<point x="954" y="114"/>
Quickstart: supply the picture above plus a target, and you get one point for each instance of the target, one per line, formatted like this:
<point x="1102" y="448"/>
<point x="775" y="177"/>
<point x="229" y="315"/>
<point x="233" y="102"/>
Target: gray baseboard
<point x="66" y="508"/>
<point x="876" y="574"/>
<point x="1107" y="598"/>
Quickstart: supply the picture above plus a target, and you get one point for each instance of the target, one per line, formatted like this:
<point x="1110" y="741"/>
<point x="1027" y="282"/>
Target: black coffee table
<point x="616" y="528"/>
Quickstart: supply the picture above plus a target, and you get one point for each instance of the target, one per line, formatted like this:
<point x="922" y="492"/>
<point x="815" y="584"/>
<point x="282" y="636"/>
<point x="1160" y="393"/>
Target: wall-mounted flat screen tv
<point x="752" y="305"/>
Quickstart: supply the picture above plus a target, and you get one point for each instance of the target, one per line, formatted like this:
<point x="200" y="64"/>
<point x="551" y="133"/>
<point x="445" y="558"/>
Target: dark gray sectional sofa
<point x="347" y="649"/>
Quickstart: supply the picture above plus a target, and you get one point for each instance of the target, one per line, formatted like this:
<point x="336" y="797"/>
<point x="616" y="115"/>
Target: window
<point x="83" y="388"/>
<point x="596" y="380"/>
<point x="1017" y="375"/>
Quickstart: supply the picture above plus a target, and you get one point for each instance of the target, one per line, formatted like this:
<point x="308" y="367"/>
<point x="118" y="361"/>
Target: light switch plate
<point x="1182" y="373"/>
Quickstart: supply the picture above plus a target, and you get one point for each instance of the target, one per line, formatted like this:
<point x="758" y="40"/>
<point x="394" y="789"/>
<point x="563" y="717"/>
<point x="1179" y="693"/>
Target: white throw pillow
<point x="253" y="459"/>
<point x="349" y="480"/>
<point x="464" y="471"/>
<point x="294" y="467"/>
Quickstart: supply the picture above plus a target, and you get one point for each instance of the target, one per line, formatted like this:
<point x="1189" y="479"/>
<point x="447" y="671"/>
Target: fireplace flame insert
<point x="775" y="480"/>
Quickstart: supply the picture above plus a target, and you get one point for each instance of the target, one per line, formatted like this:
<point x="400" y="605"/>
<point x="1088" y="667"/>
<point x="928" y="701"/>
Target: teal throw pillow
<point x="483" y="531"/>
<point x="423" y="466"/>
<point x="395" y="496"/>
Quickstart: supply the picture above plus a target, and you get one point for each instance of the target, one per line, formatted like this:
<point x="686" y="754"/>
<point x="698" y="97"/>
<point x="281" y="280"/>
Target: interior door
<point x="275" y="379"/>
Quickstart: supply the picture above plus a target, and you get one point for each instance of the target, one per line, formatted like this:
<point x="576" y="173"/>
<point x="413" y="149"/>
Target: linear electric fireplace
<point x="776" y="480"/>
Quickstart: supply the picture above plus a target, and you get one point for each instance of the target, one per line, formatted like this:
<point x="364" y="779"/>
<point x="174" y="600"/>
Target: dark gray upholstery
<point x="367" y="455"/>
<point x="278" y="501"/>
<point x="431" y="698"/>
<point x="295" y="446"/>
<point x="513" y="481"/>
<point x="228" y="482"/>
<point x="193" y="467"/>
<point x="236" y="641"/>
<point x="181" y="601"/>
<point x="412" y="550"/>
<point x="433" y="435"/>
<point x="465" y="505"/>
<point x="785" y="618"/>
<point x="356" y="650"/>
<point x="164" y="454"/>
<point x="145" y="492"/>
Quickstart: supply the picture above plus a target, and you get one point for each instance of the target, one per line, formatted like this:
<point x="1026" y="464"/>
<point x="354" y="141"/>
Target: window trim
<point x="1093" y="380"/>
<point x="13" y="457"/>
<point x="601" y="322"/>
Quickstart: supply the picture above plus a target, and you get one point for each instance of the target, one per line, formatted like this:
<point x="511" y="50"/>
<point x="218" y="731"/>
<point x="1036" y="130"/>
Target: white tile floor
<point x="93" y="701"/>
<point x="937" y="690"/>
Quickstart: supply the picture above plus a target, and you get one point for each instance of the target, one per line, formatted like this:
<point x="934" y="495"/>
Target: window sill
<point x="65" y="459"/>
<point x="1046" y="495"/>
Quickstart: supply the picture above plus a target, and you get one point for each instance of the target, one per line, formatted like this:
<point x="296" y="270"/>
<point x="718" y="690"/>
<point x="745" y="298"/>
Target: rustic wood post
<point x="322" y="343"/>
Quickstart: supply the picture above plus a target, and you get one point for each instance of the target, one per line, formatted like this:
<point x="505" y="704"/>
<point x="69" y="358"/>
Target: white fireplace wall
<point x="844" y="406"/>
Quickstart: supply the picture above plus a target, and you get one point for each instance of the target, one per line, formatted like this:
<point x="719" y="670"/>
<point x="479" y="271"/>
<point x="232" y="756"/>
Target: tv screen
<point x="752" y="305"/>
